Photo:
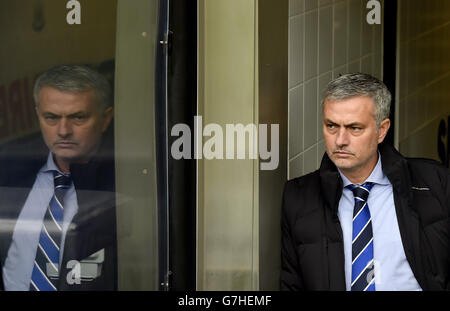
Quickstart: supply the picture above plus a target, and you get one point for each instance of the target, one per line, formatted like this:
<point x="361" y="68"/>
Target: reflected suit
<point x="93" y="228"/>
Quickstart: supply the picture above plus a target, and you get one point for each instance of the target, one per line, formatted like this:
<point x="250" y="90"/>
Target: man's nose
<point x="64" y="128"/>
<point x="342" y="138"/>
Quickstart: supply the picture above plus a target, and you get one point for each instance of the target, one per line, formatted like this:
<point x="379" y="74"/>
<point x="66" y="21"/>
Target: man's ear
<point x="383" y="129"/>
<point x="107" y="117"/>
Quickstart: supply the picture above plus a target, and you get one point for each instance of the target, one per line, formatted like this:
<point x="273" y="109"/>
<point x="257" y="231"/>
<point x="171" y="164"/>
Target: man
<point x="57" y="199"/>
<point x="368" y="219"/>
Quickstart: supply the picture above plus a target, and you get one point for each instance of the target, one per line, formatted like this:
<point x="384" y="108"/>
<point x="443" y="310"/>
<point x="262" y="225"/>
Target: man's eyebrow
<point x="78" y="113"/>
<point x="48" y="113"/>
<point x="354" y="124"/>
<point x="328" y="121"/>
<point x="75" y="114"/>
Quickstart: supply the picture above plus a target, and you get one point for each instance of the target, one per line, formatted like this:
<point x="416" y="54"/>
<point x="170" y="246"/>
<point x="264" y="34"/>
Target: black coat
<point x="93" y="228"/>
<point x="312" y="242"/>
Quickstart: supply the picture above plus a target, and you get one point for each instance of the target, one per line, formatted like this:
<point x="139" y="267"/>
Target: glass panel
<point x="135" y="138"/>
<point x="104" y="236"/>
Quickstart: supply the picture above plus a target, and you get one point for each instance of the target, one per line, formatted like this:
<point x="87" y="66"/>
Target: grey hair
<point x="75" y="79"/>
<point x="361" y="84"/>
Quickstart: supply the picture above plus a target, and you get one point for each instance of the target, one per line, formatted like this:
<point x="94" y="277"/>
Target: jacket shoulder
<point x="301" y="190"/>
<point x="299" y="183"/>
<point x="428" y="171"/>
<point x="426" y="163"/>
<point x="21" y="159"/>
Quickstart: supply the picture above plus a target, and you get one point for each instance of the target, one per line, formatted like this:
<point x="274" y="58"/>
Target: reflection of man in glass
<point x="59" y="206"/>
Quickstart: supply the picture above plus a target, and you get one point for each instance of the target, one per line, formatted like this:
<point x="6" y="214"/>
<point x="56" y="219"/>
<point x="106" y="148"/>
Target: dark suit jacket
<point x="93" y="228"/>
<point x="312" y="241"/>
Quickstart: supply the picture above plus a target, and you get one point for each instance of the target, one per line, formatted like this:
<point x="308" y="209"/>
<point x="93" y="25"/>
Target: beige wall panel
<point x="226" y="206"/>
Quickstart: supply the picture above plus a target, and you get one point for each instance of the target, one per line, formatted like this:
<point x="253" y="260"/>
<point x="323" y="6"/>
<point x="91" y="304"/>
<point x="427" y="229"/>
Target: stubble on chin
<point x="344" y="164"/>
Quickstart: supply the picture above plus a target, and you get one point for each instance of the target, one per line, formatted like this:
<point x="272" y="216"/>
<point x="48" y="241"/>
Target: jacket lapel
<point x="331" y="184"/>
<point x="331" y="191"/>
<point x="396" y="169"/>
<point x="93" y="227"/>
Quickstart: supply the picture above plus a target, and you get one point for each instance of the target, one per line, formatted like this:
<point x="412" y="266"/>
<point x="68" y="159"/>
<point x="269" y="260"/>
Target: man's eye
<point x="50" y="117"/>
<point x="331" y="126"/>
<point x="79" y="118"/>
<point x="355" y="128"/>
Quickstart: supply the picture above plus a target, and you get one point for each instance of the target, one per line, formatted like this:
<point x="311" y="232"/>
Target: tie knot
<point x="61" y="181"/>
<point x="361" y="192"/>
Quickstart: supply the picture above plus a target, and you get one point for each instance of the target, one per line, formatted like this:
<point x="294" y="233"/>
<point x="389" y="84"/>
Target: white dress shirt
<point x="392" y="270"/>
<point x="19" y="262"/>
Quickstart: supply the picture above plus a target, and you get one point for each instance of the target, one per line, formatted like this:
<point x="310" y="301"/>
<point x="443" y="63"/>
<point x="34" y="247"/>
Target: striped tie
<point x="362" y="241"/>
<point x="46" y="265"/>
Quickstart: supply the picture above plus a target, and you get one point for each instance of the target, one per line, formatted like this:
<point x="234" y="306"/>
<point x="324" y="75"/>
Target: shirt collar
<point x="50" y="165"/>
<point x="377" y="176"/>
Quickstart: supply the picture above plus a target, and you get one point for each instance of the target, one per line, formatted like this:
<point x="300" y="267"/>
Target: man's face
<point x="72" y="124"/>
<point x="351" y="135"/>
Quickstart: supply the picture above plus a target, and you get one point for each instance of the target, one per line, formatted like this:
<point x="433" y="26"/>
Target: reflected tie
<point x="362" y="240"/>
<point x="46" y="268"/>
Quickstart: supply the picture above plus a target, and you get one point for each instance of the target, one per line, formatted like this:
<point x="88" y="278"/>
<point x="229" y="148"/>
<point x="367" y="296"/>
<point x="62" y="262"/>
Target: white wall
<point x="326" y="38"/>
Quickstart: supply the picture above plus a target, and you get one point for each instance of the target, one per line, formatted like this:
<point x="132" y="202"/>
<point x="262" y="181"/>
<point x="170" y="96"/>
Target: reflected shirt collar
<point x="50" y="165"/>
<point x="377" y="176"/>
